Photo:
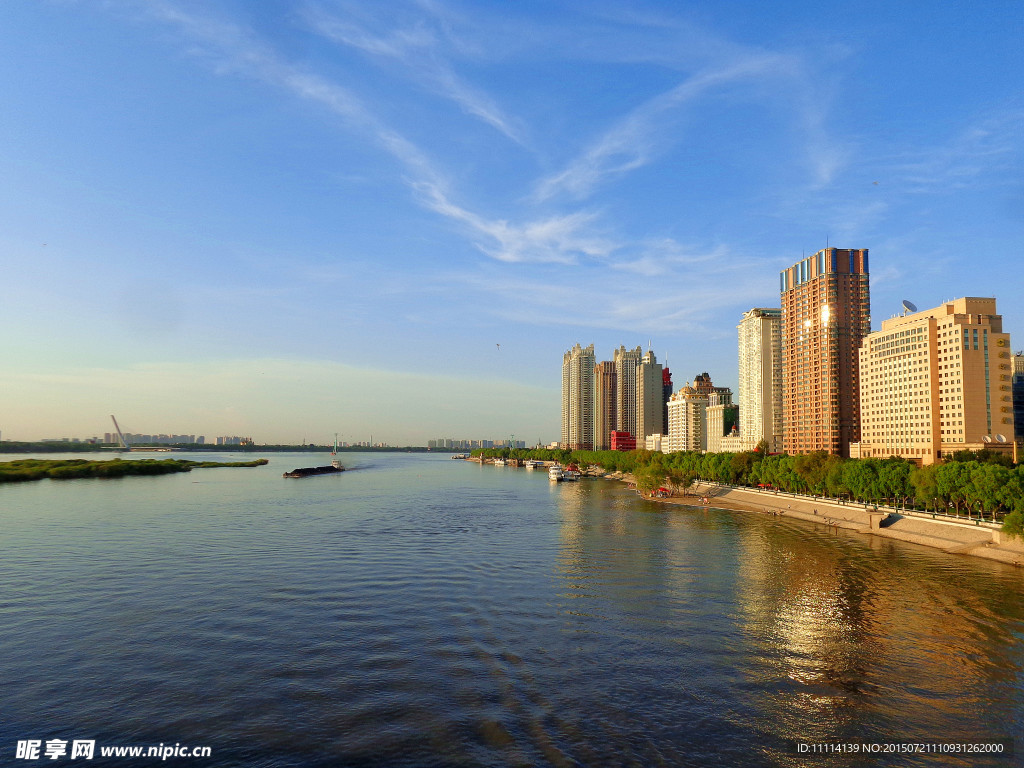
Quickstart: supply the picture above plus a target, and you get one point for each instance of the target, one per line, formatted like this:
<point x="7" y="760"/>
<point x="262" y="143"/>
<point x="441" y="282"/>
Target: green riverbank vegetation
<point x="981" y="485"/>
<point x="71" y="469"/>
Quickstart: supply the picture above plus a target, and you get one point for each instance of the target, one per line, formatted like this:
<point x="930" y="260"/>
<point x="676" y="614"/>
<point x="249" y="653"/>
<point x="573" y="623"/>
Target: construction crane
<point x="120" y="437"/>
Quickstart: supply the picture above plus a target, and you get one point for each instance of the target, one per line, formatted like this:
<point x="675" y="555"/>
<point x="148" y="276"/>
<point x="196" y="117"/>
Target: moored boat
<point x="555" y="473"/>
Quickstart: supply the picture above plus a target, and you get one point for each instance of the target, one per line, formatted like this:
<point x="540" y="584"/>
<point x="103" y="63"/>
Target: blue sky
<point x="289" y="219"/>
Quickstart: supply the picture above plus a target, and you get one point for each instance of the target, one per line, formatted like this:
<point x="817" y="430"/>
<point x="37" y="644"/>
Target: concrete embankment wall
<point x="972" y="538"/>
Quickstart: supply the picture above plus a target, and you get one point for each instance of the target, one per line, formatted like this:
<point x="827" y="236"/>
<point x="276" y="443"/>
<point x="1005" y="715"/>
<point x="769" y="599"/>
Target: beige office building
<point x="936" y="382"/>
<point x="760" y="382"/>
<point x="578" y="398"/>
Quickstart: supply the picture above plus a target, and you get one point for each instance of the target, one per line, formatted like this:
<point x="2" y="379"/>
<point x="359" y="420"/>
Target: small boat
<point x="335" y="466"/>
<point x="570" y="474"/>
<point x="460" y="455"/>
<point x="499" y="462"/>
<point x="555" y="473"/>
<point x="533" y="464"/>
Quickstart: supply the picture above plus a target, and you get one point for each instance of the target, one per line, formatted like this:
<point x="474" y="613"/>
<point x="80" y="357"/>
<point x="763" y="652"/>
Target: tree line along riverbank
<point x="970" y="483"/>
<point x="24" y="470"/>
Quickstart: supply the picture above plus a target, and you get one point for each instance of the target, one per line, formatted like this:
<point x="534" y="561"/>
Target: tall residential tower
<point x="826" y="312"/>
<point x="604" y="405"/>
<point x="760" y="381"/>
<point x="578" y="398"/>
<point x="627" y="366"/>
<point x="649" y="398"/>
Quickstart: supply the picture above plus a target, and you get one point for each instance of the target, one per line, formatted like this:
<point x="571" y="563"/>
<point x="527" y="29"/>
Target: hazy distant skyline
<point x="290" y="219"/>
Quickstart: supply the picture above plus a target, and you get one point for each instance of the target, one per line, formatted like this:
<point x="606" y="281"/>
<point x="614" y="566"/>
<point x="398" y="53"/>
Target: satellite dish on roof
<point x="1001" y="438"/>
<point x="987" y="438"/>
<point x="908" y="306"/>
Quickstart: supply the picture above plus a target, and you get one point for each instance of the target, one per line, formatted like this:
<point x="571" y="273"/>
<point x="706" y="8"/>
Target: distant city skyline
<point x="290" y="220"/>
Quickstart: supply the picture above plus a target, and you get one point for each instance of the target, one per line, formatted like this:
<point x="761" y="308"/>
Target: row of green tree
<point x="971" y="484"/>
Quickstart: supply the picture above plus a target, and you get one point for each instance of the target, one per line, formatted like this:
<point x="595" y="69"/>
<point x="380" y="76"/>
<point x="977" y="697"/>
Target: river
<point x="418" y="611"/>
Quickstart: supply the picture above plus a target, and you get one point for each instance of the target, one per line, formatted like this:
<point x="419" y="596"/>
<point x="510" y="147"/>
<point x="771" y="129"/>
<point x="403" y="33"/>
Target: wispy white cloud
<point x="990" y="150"/>
<point x="419" y="50"/>
<point x="638" y="137"/>
<point x="557" y="238"/>
<point x="665" y="256"/>
<point x="672" y="289"/>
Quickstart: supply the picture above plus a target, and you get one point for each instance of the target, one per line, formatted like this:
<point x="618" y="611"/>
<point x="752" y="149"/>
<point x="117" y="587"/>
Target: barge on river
<point x="335" y="466"/>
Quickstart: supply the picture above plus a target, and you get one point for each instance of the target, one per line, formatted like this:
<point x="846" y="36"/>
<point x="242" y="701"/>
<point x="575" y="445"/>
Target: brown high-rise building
<point x="826" y="312"/>
<point x="604" y="405"/>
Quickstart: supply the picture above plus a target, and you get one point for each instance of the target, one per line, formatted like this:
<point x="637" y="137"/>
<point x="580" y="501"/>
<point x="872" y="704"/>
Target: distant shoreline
<point x="12" y="447"/>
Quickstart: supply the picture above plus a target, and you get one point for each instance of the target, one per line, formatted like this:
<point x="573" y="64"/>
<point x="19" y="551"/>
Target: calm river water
<point x="419" y="611"/>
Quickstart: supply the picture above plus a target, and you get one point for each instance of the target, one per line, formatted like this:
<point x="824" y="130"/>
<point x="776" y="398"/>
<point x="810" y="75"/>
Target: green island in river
<point x="73" y="469"/>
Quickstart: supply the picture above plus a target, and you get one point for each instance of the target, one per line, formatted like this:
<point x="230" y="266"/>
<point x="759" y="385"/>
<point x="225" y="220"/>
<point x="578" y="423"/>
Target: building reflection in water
<point x="797" y="631"/>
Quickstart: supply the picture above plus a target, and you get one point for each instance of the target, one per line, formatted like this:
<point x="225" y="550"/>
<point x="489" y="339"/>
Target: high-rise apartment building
<point x="604" y="405"/>
<point x="936" y="382"/>
<point x="760" y="381"/>
<point x="578" y="398"/>
<point x="826" y="313"/>
<point x="627" y="366"/>
<point x="687" y="415"/>
<point x="649" y="397"/>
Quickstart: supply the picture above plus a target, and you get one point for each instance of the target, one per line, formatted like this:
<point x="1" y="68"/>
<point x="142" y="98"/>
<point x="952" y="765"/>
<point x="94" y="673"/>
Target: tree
<point x="649" y="479"/>
<point x="1013" y="524"/>
<point x="861" y="478"/>
<point x="681" y="479"/>
<point x="987" y="481"/>
<point x="926" y="488"/>
<point x="952" y="478"/>
<point x="893" y="479"/>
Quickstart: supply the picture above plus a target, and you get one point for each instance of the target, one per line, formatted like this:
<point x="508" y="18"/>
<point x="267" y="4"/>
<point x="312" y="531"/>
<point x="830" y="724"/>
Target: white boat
<point x="570" y="474"/>
<point x="499" y="462"/>
<point x="533" y="464"/>
<point x="555" y="473"/>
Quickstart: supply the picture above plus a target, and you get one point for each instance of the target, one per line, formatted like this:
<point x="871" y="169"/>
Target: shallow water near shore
<point x="419" y="611"/>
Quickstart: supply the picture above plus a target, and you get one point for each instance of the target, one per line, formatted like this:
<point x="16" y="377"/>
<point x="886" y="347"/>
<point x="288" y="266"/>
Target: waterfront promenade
<point x="971" y="537"/>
